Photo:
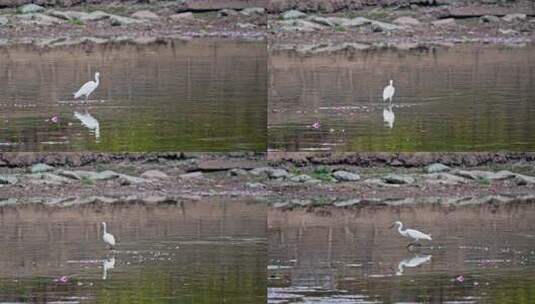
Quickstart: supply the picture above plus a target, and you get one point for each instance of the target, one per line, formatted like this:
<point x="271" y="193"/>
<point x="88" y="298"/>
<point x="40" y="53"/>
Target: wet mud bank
<point x="222" y="161"/>
<point x="49" y="25"/>
<point x="415" y="159"/>
<point x="284" y="181"/>
<point x="331" y="26"/>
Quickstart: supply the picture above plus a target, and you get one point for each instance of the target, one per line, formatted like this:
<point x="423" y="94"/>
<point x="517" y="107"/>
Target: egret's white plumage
<point x="107" y="264"/>
<point x="89" y="122"/>
<point x="414" y="261"/>
<point x="88" y="87"/>
<point x="108" y="238"/>
<point x="415" y="235"/>
<point x="388" y="91"/>
<point x="388" y="116"/>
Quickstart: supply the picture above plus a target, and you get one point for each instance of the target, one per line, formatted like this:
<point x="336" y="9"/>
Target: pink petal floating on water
<point x="316" y="125"/>
<point x="55" y="118"/>
<point x="459" y="279"/>
<point x="62" y="279"/>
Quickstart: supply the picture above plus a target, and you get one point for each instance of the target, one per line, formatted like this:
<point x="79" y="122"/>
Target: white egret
<point x="388" y="116"/>
<point x="412" y="262"/>
<point x="89" y="122"/>
<point x="107" y="264"/>
<point x="415" y="235"/>
<point x="388" y="91"/>
<point x="108" y="238"/>
<point x="88" y="87"/>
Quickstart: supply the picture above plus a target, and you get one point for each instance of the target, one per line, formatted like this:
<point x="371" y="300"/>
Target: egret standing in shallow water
<point x="415" y="235"/>
<point x="108" y="238"/>
<point x="388" y="91"/>
<point x="88" y="87"/>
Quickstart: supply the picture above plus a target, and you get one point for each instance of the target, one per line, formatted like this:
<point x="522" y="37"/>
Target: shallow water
<point x="478" y="255"/>
<point x="469" y="98"/>
<point x="205" y="252"/>
<point x="198" y="95"/>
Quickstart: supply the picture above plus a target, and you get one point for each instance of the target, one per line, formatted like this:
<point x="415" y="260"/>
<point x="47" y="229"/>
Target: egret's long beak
<point x="392" y="226"/>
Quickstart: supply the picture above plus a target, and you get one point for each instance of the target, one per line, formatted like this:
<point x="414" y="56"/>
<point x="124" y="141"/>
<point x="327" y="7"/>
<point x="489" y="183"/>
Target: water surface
<point x="199" y="95"/>
<point x="478" y="255"/>
<point x="467" y="98"/>
<point x="204" y="252"/>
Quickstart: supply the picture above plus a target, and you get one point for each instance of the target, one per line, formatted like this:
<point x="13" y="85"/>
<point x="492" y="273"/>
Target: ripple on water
<point x="317" y="295"/>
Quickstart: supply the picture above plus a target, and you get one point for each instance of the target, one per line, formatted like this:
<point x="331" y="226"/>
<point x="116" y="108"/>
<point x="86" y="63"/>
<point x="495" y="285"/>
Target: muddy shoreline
<point x="334" y="27"/>
<point x="126" y="22"/>
<point x="287" y="180"/>
<point x="306" y="27"/>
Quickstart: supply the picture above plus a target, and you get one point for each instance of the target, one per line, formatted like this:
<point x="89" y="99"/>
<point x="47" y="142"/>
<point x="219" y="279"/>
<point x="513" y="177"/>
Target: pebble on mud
<point x="436" y="168"/>
<point x="514" y="17"/>
<point x="3" y="21"/>
<point x="255" y="185"/>
<point x="8" y="180"/>
<point x="444" y="22"/>
<point x="192" y="175"/>
<point x="302" y="178"/>
<point x="154" y="174"/>
<point x="249" y="11"/>
<point x="39" y="168"/>
<point x="410" y="21"/>
<point x="345" y="176"/>
<point x="227" y="13"/>
<point x="30" y="9"/>
<point x="293" y="14"/>
<point x="182" y="17"/>
<point x="398" y="179"/>
<point x="145" y="15"/>
<point x="278" y="173"/>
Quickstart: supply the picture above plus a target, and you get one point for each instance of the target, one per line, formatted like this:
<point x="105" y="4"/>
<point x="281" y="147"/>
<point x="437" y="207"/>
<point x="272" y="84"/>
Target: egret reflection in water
<point x="107" y="264"/>
<point x="388" y="116"/>
<point x="412" y="262"/>
<point x="89" y="122"/>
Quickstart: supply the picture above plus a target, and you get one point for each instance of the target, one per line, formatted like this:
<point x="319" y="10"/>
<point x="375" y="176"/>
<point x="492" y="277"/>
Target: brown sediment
<point x="442" y="24"/>
<point x="203" y="23"/>
<point x="284" y="180"/>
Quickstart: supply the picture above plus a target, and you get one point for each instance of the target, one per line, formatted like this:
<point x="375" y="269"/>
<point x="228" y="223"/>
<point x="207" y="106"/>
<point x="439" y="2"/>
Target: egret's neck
<point x="400" y="269"/>
<point x="400" y="227"/>
<point x="97" y="79"/>
<point x="104" y="227"/>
